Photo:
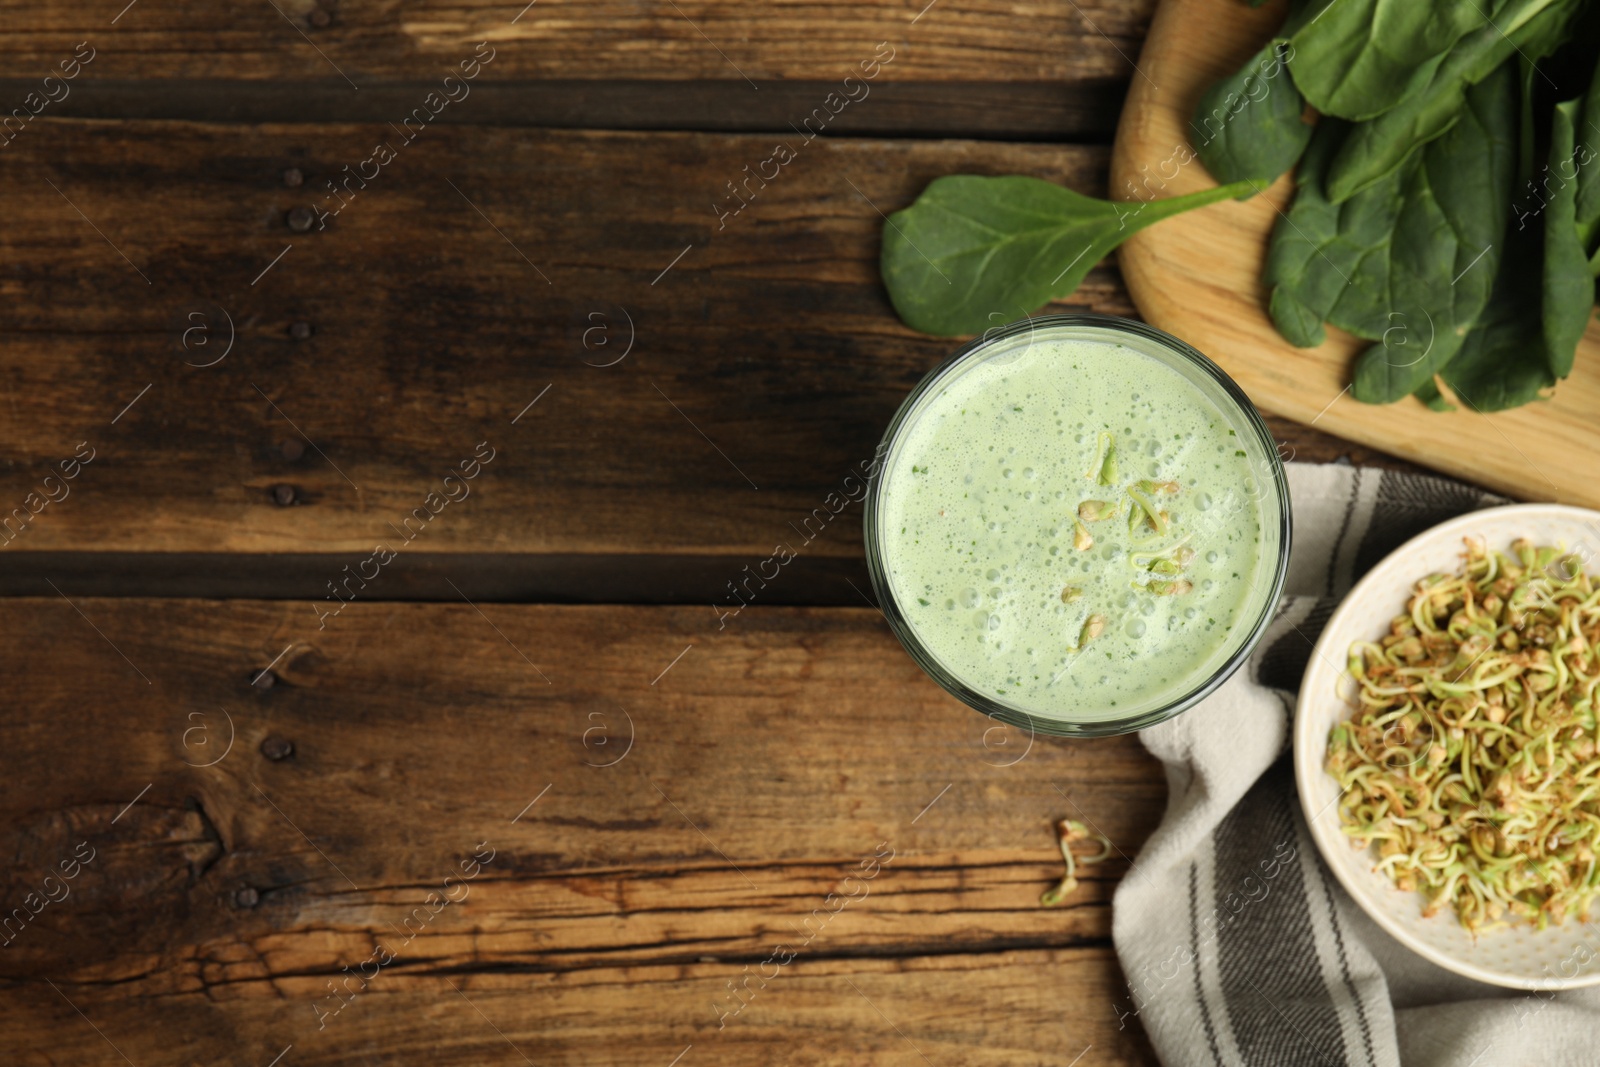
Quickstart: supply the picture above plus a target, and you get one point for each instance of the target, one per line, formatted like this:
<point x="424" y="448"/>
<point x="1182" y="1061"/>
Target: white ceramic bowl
<point x="1560" y="957"/>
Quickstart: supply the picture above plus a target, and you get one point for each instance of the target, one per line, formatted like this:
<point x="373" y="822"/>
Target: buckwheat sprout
<point x="1069" y="832"/>
<point x="1470" y="763"/>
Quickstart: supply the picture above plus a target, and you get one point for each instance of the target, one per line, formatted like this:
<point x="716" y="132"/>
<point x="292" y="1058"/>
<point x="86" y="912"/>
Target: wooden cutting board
<point x="1198" y="276"/>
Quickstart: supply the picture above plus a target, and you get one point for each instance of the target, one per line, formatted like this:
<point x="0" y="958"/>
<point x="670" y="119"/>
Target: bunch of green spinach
<point x="1447" y="203"/>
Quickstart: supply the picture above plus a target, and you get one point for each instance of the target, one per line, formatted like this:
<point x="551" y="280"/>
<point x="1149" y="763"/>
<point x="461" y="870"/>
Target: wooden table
<point x="351" y="762"/>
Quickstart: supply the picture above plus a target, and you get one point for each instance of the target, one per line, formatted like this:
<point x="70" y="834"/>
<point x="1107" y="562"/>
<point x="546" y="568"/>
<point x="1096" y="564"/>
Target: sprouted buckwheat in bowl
<point x="1469" y="766"/>
<point x="1080" y="526"/>
<point x="1446" y="747"/>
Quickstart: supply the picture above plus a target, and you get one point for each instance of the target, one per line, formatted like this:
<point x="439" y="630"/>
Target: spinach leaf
<point x="1251" y="125"/>
<point x="1455" y="205"/>
<point x="1377" y="148"/>
<point x="1501" y="365"/>
<point x="972" y="247"/>
<point x="1497" y="369"/>
<point x="1527" y="128"/>
<point x="1408" y="262"/>
<point x="1327" y="260"/>
<point x="1429" y="394"/>
<point x="1360" y="58"/>
<point x="1511" y="353"/>
<point x="1568" y="296"/>
<point x="1587" y="154"/>
<point x="1300" y="324"/>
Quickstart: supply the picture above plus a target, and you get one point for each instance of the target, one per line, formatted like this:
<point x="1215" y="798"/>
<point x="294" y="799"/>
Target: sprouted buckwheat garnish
<point x="1471" y="761"/>
<point x="1096" y="510"/>
<point x="1093" y="627"/>
<point x="1158" y="587"/>
<point x="1069" y="832"/>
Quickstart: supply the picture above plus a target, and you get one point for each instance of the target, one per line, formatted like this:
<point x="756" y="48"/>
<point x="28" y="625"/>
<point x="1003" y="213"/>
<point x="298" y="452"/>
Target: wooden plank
<point x="1198" y="275"/>
<point x="1081" y="111"/>
<point x="770" y="761"/>
<point x="373" y="356"/>
<point x="991" y="1009"/>
<point x="950" y="40"/>
<point x="557" y="578"/>
<point x="551" y="578"/>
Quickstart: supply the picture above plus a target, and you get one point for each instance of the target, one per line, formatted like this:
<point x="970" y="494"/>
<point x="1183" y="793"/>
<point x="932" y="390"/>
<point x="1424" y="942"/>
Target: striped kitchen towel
<point x="1237" y="944"/>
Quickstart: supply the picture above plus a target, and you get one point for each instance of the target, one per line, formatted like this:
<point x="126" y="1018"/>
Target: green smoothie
<point x="1073" y="528"/>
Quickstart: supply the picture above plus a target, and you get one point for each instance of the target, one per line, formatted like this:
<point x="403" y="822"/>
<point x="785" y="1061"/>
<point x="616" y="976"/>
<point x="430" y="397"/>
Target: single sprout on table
<point x="1068" y="833"/>
<point x="1471" y="760"/>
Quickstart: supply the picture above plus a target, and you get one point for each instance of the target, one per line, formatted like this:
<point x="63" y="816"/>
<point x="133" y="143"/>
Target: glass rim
<point x="1017" y="717"/>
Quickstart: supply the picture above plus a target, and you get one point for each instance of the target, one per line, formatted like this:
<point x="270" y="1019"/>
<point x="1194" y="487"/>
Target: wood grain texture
<point x="1083" y="111"/>
<point x="764" y="351"/>
<point x="766" y="355"/>
<point x="952" y="40"/>
<point x="999" y="1008"/>
<point x="766" y="764"/>
<point x="1198" y="275"/>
